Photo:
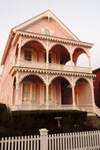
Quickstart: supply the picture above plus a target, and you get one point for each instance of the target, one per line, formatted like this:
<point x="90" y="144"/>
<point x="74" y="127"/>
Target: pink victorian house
<point x="36" y="74"/>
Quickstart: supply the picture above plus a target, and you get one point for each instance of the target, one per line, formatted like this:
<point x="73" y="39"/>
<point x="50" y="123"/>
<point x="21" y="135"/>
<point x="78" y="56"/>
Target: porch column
<point x="92" y="90"/>
<point x="89" y="57"/>
<point x="71" y="59"/>
<point x="73" y="95"/>
<point x="47" y="98"/>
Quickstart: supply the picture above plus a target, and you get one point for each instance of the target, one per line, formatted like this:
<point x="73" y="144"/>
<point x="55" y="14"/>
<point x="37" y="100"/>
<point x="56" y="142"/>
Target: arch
<point x="80" y="47"/>
<point x="33" y="90"/>
<point x="84" y="79"/>
<point x="54" y="44"/>
<point x="59" y="54"/>
<point x="31" y="39"/>
<point x="83" y="93"/>
<point x="60" y="91"/>
<point x="34" y="74"/>
<point x="77" y="52"/>
<point x="62" y="76"/>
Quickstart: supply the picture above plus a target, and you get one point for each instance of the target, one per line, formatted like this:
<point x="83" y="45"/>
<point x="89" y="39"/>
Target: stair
<point x="94" y="121"/>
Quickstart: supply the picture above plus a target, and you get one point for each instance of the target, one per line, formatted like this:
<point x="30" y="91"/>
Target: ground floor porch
<point x="58" y="93"/>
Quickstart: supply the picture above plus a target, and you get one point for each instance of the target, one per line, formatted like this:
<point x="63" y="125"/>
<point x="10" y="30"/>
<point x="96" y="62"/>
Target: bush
<point x="19" y="123"/>
<point x="3" y="108"/>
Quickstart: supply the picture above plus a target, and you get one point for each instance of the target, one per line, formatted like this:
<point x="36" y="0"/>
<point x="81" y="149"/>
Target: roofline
<point x="7" y="46"/>
<point x="96" y="70"/>
<point x="45" y="15"/>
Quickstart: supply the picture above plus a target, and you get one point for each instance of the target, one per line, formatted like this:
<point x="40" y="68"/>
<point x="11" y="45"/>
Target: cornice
<point x="45" y="71"/>
<point x="50" y="38"/>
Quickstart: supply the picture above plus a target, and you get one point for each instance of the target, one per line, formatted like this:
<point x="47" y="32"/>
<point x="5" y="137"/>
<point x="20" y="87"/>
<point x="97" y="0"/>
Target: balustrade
<point x="52" y="66"/>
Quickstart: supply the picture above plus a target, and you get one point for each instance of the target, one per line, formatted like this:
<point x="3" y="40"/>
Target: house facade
<point x="97" y="87"/>
<point x="40" y="67"/>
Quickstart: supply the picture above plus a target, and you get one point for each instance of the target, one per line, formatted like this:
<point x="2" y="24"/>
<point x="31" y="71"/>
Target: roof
<point x="14" y="31"/>
<point x="96" y="70"/>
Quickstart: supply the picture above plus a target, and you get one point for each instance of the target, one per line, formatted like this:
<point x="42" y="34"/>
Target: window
<point x="28" y="55"/>
<point x="26" y="92"/>
<point x="47" y="32"/>
<point x="29" y="91"/>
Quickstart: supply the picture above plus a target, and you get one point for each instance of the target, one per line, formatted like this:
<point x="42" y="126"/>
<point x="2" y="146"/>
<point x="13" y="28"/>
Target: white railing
<point x="97" y="110"/>
<point x="87" y="108"/>
<point x="52" y="66"/>
<point x="89" y="140"/>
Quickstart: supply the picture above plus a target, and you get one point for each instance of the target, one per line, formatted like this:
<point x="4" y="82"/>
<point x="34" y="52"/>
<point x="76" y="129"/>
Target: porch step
<point x="94" y="121"/>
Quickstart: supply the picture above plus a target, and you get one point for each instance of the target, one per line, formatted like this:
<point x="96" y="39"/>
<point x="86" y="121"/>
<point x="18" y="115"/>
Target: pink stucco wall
<point x="52" y="25"/>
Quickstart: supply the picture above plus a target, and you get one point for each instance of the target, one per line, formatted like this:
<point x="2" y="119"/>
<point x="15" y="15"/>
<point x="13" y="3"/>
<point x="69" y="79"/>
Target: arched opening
<point x="59" y="55"/>
<point x="33" y="90"/>
<point x="60" y="91"/>
<point x="33" y="51"/>
<point x="83" y="95"/>
<point x="80" y="58"/>
<point x="14" y="92"/>
<point x="83" y="60"/>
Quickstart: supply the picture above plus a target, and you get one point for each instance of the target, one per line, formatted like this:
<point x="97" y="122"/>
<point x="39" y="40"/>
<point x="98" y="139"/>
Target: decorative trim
<point x="41" y="71"/>
<point x="51" y="38"/>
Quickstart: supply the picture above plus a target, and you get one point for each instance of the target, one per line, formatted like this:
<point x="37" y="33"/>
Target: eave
<point x="50" y="38"/>
<point x="9" y="41"/>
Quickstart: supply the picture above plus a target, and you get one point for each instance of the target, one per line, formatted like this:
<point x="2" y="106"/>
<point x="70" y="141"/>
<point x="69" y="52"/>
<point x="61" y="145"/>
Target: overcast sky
<point x="82" y="17"/>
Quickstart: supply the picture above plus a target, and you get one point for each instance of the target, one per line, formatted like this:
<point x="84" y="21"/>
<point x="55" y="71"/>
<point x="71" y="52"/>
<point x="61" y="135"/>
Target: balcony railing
<point x="52" y="66"/>
<point x="87" y="108"/>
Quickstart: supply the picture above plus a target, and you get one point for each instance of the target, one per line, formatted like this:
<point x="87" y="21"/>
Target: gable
<point x="46" y="20"/>
<point x="50" y="25"/>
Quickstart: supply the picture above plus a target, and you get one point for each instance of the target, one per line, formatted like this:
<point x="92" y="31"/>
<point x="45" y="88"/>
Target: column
<point x="89" y="61"/>
<point x="73" y="95"/>
<point x="92" y="90"/>
<point x="71" y="59"/>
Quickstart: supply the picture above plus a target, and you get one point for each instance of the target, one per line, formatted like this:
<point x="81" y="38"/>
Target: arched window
<point x="47" y="32"/>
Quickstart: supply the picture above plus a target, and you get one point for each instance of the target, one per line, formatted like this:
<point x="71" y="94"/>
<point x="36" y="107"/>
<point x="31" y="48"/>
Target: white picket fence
<point x="66" y="141"/>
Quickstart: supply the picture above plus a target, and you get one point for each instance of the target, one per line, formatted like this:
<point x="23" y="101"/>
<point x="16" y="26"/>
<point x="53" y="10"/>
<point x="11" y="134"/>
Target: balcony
<point x="52" y="66"/>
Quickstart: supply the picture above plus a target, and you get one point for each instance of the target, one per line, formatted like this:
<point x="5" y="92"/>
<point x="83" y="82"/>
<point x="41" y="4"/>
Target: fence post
<point x="43" y="139"/>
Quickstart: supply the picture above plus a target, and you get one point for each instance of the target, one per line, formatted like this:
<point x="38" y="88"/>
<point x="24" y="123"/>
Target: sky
<point x="82" y="17"/>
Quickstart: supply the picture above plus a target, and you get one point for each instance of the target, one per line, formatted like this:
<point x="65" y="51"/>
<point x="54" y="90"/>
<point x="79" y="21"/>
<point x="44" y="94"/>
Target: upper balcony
<point x="52" y="66"/>
<point x="57" y="57"/>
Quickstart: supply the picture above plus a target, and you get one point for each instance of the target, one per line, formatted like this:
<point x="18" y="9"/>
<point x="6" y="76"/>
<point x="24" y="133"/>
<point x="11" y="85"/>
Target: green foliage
<point x="19" y="123"/>
<point x="3" y="108"/>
